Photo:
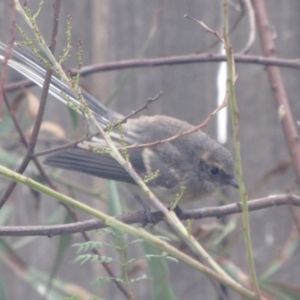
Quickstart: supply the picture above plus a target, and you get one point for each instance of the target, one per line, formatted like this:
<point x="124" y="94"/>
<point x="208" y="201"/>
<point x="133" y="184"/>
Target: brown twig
<point x="66" y="146"/>
<point x="188" y="59"/>
<point x="216" y="33"/>
<point x="231" y="30"/>
<point x="141" y="217"/>
<point x="172" y="60"/>
<point x="142" y="107"/>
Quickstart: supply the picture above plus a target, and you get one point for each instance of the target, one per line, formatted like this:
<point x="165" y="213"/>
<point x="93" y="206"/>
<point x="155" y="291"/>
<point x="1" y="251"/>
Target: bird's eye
<point x="214" y="171"/>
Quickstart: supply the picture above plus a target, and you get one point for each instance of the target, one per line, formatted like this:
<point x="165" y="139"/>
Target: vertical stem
<point x="235" y="124"/>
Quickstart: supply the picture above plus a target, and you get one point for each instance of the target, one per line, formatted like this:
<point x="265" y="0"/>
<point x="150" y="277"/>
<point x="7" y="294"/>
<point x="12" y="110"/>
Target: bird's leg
<point x="177" y="209"/>
<point x="147" y="211"/>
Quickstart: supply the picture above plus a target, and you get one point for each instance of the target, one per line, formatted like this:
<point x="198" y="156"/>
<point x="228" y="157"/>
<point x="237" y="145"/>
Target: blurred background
<point x="120" y="30"/>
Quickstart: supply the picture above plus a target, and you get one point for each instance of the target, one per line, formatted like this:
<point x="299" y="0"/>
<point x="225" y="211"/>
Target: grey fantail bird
<point x="194" y="162"/>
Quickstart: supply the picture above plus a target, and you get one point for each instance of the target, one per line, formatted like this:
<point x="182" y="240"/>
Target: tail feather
<point x="27" y="64"/>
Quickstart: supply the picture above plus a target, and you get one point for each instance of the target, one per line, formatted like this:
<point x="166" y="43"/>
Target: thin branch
<point x="141" y="217"/>
<point x="232" y="29"/>
<point x="231" y="74"/>
<point x="132" y="114"/>
<point x="170" y="61"/>
<point x="216" y="33"/>
<point x="66" y="146"/>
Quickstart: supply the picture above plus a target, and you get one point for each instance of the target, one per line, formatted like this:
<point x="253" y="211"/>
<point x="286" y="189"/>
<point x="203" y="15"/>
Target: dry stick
<point x="216" y="33"/>
<point x="171" y="60"/>
<point x="233" y="27"/>
<point x="284" y="110"/>
<point x="132" y="114"/>
<point x="141" y="217"/>
<point x="187" y="59"/>
<point x="66" y="146"/>
<point x="231" y="30"/>
<point x="243" y="3"/>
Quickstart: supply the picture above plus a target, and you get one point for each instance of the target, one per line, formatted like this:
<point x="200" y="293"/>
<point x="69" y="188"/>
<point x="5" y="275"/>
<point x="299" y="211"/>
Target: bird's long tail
<point x="28" y="65"/>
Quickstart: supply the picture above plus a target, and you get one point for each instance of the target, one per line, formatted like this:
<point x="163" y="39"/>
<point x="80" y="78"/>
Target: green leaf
<point x="106" y="279"/>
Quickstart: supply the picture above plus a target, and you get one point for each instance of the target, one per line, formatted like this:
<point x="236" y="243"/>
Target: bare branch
<point x="141" y="217"/>
<point x="132" y="114"/>
<point x="216" y="33"/>
<point x="171" y="60"/>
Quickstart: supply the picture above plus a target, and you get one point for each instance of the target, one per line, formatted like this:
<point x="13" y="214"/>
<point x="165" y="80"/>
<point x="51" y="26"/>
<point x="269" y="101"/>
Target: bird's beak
<point x="233" y="182"/>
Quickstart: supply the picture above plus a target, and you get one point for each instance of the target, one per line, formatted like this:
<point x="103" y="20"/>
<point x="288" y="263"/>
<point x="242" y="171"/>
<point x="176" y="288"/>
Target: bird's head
<point x="216" y="166"/>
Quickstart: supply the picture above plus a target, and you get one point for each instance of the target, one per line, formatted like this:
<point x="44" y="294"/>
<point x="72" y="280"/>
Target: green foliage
<point x="159" y="273"/>
<point x="92" y="258"/>
<point x="120" y="244"/>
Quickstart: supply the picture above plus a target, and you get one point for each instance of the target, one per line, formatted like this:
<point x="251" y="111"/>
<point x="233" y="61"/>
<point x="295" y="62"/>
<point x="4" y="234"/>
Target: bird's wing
<point x="104" y="166"/>
<point x="92" y="163"/>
